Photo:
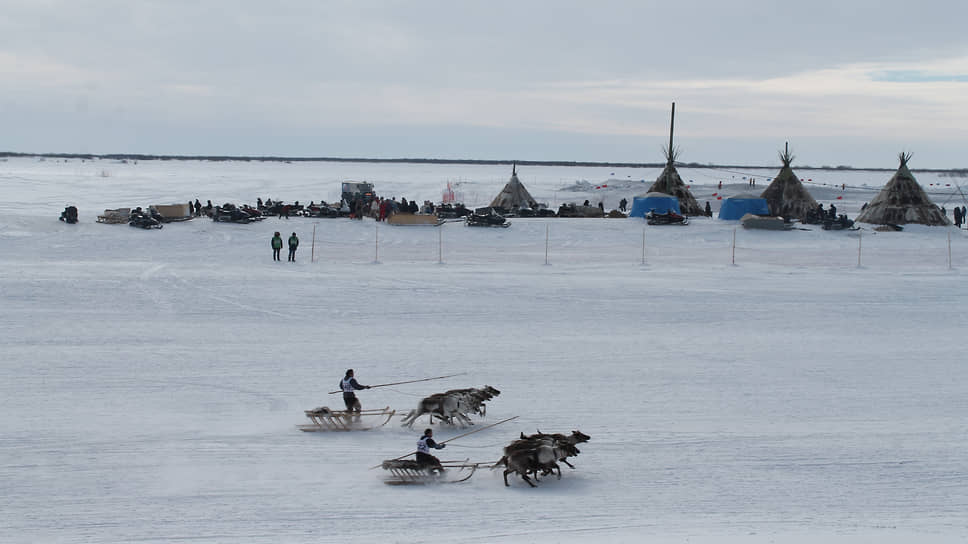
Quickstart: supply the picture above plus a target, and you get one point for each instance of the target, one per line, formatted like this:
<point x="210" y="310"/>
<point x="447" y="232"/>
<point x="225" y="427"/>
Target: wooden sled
<point x="409" y="219"/>
<point x="408" y="472"/>
<point x="325" y="420"/>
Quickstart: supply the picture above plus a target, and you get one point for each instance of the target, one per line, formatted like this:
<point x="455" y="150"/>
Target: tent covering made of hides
<point x="513" y="195"/>
<point x="902" y="201"/>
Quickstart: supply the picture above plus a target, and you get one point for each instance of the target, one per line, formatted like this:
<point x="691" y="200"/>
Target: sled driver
<point x="424" y="444"/>
<point x="348" y="385"/>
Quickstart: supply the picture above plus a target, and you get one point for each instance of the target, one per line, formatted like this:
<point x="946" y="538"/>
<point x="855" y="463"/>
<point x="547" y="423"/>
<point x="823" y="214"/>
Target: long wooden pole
<point x="672" y="126"/>
<point x="410" y="381"/>
<point x="452" y="439"/>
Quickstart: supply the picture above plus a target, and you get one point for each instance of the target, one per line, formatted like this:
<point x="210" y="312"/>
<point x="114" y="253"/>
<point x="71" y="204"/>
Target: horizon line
<point x="413" y="160"/>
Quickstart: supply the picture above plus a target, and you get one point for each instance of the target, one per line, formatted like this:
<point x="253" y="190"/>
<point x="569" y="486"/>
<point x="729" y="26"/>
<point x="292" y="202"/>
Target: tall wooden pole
<point x="672" y="126"/>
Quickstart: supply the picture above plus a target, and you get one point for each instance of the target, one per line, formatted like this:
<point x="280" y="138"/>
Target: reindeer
<point x="453" y="406"/>
<point x="524" y="459"/>
<point x="566" y="443"/>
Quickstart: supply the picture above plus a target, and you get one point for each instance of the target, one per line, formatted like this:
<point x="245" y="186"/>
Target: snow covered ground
<point x="151" y="381"/>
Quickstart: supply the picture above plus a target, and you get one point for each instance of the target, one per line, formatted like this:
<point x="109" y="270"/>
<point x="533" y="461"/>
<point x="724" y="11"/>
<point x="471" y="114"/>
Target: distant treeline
<point x="960" y="172"/>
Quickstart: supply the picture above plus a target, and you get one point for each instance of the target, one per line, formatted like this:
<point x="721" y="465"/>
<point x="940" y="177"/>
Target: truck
<point x="354" y="190"/>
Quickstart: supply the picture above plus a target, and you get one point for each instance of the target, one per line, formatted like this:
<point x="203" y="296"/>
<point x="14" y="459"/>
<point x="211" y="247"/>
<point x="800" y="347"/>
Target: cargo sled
<point x="410" y="219"/>
<point x="324" y="420"/>
<point x="409" y="472"/>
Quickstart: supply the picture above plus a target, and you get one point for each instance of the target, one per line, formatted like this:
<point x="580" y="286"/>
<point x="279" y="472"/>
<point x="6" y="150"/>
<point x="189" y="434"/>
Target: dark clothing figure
<point x="348" y="385"/>
<point x="622" y="204"/>
<point x="585" y="204"/>
<point x="276" y="244"/>
<point x="957" y="217"/>
<point x="709" y="210"/>
<point x="424" y="445"/>
<point x="293" y="244"/>
<point x="69" y="215"/>
<point x="198" y="208"/>
<point x="601" y="206"/>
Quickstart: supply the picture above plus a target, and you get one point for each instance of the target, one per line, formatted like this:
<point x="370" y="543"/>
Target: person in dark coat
<point x="198" y="208"/>
<point x="348" y="385"/>
<point x="622" y="204"/>
<point x="276" y="244"/>
<point x="424" y="444"/>
<point x="293" y="244"/>
<point x="709" y="210"/>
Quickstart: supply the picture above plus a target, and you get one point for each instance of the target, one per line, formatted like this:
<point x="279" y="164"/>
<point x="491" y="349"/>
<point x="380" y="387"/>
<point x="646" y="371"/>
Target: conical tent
<point x="513" y="195"/>
<point x="669" y="181"/>
<point x="902" y="201"/>
<point x="786" y="196"/>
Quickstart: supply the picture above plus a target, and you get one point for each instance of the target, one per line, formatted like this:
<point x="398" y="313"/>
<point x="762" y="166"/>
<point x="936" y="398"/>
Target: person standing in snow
<point x="348" y="385"/>
<point x="424" y="445"/>
<point x="293" y="244"/>
<point x="276" y="244"/>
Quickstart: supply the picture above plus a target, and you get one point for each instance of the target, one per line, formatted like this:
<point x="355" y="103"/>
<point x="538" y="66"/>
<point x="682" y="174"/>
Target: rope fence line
<point x="739" y="247"/>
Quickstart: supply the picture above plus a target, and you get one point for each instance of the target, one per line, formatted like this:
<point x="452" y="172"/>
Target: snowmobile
<point x="486" y="217"/>
<point x="451" y="211"/>
<point x="230" y="213"/>
<point x="143" y="220"/>
<point x="841" y="223"/>
<point x="668" y="218"/>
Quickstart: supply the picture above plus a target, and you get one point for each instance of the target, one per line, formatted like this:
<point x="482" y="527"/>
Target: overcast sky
<point x="845" y="82"/>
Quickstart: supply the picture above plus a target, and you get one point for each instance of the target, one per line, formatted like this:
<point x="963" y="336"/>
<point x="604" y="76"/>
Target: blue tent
<point x="660" y="202"/>
<point x="735" y="207"/>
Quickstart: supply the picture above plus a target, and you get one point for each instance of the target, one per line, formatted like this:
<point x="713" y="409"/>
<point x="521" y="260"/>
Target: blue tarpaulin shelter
<point x="735" y="207"/>
<point x="660" y="202"/>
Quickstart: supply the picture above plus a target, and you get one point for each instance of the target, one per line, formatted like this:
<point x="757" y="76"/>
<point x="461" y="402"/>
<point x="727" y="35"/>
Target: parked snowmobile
<point x="841" y="223"/>
<point x="143" y="220"/>
<point x="486" y="217"/>
<point x="230" y="213"/>
<point x="668" y="218"/>
<point x="451" y="211"/>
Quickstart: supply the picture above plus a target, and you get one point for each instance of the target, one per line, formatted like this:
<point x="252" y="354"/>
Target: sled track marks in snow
<point x="173" y="283"/>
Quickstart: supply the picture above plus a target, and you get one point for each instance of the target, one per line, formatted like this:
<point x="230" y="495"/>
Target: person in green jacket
<point x="293" y="244"/>
<point x="276" y="244"/>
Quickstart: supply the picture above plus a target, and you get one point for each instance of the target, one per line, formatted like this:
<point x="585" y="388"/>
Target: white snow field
<point x="151" y="381"/>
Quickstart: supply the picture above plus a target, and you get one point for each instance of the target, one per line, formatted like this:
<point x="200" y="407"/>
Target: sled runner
<point x="408" y="472"/>
<point x="323" y="419"/>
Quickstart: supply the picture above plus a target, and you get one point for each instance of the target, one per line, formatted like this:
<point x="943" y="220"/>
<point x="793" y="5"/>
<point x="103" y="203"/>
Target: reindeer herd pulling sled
<point x="529" y="456"/>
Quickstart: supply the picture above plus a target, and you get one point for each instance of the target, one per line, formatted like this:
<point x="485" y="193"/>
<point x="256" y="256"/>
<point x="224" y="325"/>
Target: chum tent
<point x="514" y="195"/>
<point x="902" y="201"/>
<point x="786" y="195"/>
<point x="660" y="202"/>
<point x="669" y="181"/>
<point x="735" y="207"/>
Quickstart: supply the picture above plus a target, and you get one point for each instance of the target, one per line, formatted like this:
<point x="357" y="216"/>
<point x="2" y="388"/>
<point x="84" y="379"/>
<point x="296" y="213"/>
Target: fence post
<point x="440" y="244"/>
<point x="949" y="250"/>
<point x="860" y="238"/>
<point x="547" y="236"/>
<point x="643" y="245"/>
<point x="312" y="250"/>
<point x="376" y="245"/>
<point x="734" y="246"/>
